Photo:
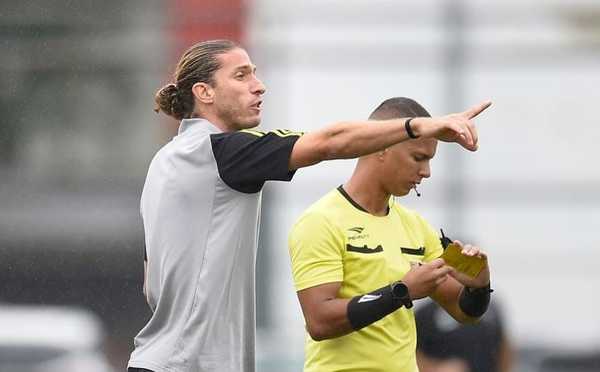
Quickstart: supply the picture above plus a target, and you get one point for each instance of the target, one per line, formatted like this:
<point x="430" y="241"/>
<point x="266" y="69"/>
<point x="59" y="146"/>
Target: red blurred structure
<point x="191" y="21"/>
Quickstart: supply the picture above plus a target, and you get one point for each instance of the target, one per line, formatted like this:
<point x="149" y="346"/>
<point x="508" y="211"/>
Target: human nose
<point x="425" y="170"/>
<point x="258" y="87"/>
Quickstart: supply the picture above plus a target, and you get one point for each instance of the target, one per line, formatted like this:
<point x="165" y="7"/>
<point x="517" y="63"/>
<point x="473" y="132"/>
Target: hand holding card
<point x="469" y="265"/>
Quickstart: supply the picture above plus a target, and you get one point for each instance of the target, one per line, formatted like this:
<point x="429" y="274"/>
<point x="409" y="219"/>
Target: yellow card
<point x="469" y="265"/>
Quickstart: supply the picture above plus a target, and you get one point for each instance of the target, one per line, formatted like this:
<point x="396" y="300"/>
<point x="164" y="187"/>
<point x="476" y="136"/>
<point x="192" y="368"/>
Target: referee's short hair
<point x="398" y="107"/>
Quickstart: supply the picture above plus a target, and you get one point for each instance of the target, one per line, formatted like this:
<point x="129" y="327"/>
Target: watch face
<point x="400" y="290"/>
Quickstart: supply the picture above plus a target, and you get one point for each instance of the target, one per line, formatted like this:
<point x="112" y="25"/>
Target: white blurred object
<point x="49" y="339"/>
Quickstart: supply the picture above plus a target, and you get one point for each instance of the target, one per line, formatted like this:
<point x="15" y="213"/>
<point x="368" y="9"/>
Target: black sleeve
<point x="248" y="158"/>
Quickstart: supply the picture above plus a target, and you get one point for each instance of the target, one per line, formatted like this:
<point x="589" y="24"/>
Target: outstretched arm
<point x="346" y="140"/>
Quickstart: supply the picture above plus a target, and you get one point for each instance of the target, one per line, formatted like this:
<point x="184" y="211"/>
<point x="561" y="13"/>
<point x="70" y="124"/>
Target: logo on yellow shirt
<point x="356" y="233"/>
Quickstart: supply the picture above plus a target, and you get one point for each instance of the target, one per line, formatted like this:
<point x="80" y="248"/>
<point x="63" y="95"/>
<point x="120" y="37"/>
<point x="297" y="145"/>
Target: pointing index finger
<point x="478" y="109"/>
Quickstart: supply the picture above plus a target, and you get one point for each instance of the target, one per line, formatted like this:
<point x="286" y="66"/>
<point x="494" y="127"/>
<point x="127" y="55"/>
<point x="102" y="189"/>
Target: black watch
<point x="400" y="292"/>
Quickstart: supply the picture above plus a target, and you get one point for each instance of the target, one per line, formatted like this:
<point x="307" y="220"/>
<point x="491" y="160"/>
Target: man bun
<point x="168" y="100"/>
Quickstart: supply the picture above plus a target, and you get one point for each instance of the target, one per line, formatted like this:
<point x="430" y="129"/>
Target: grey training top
<point x="201" y="207"/>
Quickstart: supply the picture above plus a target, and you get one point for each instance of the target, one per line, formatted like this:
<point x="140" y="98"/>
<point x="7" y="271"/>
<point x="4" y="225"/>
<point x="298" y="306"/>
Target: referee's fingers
<point x="471" y="128"/>
<point x="482" y="254"/>
<point x="437" y="263"/>
<point x="443" y="271"/>
<point x="478" y="109"/>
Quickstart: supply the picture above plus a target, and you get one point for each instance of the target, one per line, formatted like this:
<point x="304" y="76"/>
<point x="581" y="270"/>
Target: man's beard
<point x="233" y="117"/>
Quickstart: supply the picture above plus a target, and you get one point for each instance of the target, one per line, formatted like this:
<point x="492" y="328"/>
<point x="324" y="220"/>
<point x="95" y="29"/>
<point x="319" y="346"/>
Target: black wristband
<point x="409" y="131"/>
<point x="474" y="302"/>
<point x="366" y="309"/>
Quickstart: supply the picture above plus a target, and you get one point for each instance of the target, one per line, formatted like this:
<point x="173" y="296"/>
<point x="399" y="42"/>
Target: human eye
<point x="239" y="75"/>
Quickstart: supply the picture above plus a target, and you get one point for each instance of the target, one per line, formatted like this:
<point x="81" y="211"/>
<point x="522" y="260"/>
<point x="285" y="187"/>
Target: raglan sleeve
<point x="246" y="159"/>
<point x="316" y="252"/>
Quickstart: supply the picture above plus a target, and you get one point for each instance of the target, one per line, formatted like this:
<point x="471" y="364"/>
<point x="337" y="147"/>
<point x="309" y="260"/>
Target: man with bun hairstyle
<point x="201" y="204"/>
<point x="359" y="259"/>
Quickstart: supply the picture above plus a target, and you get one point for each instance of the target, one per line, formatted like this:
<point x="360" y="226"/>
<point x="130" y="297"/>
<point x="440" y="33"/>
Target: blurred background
<point x="77" y="133"/>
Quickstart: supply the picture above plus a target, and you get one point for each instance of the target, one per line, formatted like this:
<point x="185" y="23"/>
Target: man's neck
<point x="369" y="195"/>
<point x="216" y="121"/>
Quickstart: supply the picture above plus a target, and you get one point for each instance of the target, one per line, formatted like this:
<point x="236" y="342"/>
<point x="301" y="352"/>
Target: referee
<point x="359" y="259"/>
<point x="201" y="205"/>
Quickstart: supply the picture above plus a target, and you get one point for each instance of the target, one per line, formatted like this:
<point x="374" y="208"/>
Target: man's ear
<point x="203" y="92"/>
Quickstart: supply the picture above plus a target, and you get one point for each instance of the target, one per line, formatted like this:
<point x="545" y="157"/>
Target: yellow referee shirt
<point x="336" y="240"/>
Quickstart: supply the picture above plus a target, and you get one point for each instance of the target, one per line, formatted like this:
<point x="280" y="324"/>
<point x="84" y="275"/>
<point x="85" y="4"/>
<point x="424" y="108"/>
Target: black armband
<point x="474" y="302"/>
<point x="366" y="309"/>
